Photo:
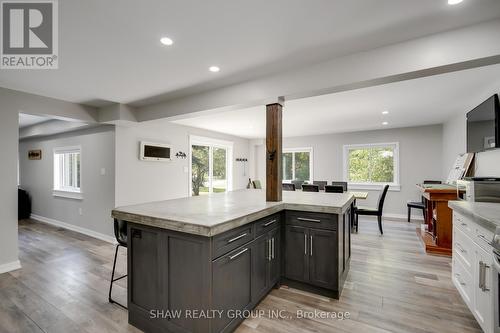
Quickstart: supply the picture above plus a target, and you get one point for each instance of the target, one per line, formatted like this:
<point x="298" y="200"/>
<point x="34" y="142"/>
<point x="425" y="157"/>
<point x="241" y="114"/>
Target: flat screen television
<point x="483" y="126"/>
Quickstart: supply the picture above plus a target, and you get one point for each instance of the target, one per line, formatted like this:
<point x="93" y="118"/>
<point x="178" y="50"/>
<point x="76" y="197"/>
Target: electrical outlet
<point x="103" y="171"/>
<point x="80" y="211"/>
<point x="186" y="170"/>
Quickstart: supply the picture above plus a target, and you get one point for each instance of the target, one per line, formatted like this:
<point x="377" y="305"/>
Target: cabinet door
<point x="143" y="257"/>
<point x="275" y="263"/>
<point x="231" y="275"/>
<point x="322" y="258"/>
<point x="296" y="253"/>
<point x="260" y="267"/>
<point x="483" y="278"/>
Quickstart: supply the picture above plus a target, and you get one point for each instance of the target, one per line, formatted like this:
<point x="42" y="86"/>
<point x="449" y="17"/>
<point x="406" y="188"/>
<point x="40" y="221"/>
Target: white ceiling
<point x="424" y="101"/>
<point x="110" y="51"/>
<point x="26" y="120"/>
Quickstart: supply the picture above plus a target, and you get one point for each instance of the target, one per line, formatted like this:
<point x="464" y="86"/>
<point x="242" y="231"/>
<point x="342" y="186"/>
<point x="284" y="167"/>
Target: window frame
<point x="394" y="186"/>
<point x="211" y="143"/>
<point x="309" y="150"/>
<point x="58" y="190"/>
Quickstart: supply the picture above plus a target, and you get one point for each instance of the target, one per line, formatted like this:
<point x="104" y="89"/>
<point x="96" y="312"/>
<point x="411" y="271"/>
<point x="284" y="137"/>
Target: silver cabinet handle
<point x="305" y="244"/>
<point x="269" y="250"/>
<point x="482" y="276"/>
<point x="460" y="248"/>
<point x="308" y="220"/>
<point x="485" y="239"/>
<point x="311" y="245"/>
<point x="272" y="241"/>
<point x="458" y="278"/>
<point x="236" y="238"/>
<point x="269" y="223"/>
<point x="234" y="256"/>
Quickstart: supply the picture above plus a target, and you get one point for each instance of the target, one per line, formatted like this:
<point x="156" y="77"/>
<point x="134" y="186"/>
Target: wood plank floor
<point x="393" y="286"/>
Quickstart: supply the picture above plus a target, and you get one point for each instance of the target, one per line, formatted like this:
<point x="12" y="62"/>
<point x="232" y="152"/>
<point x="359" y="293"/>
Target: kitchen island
<point x="196" y="264"/>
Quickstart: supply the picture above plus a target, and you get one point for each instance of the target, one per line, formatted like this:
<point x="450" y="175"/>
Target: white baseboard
<point x="399" y="217"/>
<point x="404" y="217"/>
<point x="10" y="266"/>
<point x="72" y="227"/>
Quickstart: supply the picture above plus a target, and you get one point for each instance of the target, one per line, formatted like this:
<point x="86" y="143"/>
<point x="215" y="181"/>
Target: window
<point x="67" y="172"/>
<point x="211" y="167"/>
<point x="297" y="164"/>
<point x="371" y="165"/>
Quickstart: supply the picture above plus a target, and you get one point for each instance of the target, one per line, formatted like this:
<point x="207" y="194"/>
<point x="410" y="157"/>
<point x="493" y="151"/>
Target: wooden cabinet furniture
<point x="311" y="253"/>
<point x="472" y="272"/>
<point x="173" y="271"/>
<point x="438" y="217"/>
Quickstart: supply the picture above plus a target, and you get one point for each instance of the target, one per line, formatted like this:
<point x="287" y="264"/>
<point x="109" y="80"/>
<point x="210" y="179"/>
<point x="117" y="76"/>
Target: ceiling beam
<point x="21" y="102"/>
<point x="455" y="50"/>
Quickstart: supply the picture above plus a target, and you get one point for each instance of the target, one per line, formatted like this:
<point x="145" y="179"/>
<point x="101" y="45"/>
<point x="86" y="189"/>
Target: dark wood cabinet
<point x="310" y="256"/>
<point x="260" y="267"/>
<point x="143" y="288"/>
<point x="232" y="271"/>
<point x="275" y="262"/>
<point x="265" y="263"/>
<point x="232" y="275"/>
<point x="296" y="254"/>
<point x="322" y="258"/>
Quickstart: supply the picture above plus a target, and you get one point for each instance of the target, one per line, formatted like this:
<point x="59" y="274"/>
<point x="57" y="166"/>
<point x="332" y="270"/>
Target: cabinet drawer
<point x="463" y="247"/>
<point x="268" y="223"/>
<point x="463" y="281"/>
<point x="483" y="238"/>
<point x="463" y="223"/>
<point x="232" y="239"/>
<point x="312" y="220"/>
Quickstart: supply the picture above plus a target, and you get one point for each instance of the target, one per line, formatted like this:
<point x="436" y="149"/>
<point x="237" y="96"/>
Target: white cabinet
<point x="483" y="277"/>
<point x="472" y="273"/>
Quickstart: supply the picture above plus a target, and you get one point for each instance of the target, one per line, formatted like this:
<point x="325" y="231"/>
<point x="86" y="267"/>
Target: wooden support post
<point x="273" y="151"/>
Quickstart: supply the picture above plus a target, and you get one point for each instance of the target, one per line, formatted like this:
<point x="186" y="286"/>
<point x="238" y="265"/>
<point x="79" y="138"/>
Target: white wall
<point x="13" y="102"/>
<point x="140" y="181"/>
<point x="420" y="158"/>
<point x="98" y="152"/>
<point x="8" y="189"/>
<point x="455" y="142"/>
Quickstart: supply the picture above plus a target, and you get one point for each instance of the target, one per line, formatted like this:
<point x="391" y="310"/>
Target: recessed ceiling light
<point x="214" y="69"/>
<point x="385" y="123"/>
<point x="385" y="112"/>
<point x="166" y="41"/>
<point x="454" y="2"/>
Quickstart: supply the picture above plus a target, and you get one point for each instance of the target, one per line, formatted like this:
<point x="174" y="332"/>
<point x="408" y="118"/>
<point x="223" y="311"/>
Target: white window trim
<point x="67" y="192"/>
<point x="310" y="150"/>
<point x="204" y="141"/>
<point x="394" y="186"/>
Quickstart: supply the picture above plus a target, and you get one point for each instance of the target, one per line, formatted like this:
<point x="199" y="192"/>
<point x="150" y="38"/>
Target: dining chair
<point x="310" y="188"/>
<point x="288" y="187"/>
<point x="321" y="184"/>
<point x="257" y="184"/>
<point x="120" y="228"/>
<point x="361" y="210"/>
<point x="298" y="184"/>
<point x="420" y="204"/>
<point x="343" y="184"/>
<point x="334" y="189"/>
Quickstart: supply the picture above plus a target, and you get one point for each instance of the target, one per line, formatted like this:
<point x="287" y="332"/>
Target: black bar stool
<point x="121" y="237"/>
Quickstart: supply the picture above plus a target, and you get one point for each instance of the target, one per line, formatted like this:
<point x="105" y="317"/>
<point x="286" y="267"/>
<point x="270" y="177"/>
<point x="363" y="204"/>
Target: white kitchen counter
<point x="209" y="215"/>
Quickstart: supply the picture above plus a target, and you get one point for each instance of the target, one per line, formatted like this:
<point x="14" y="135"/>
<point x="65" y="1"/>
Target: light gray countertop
<point x="486" y="214"/>
<point x="209" y="215"/>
